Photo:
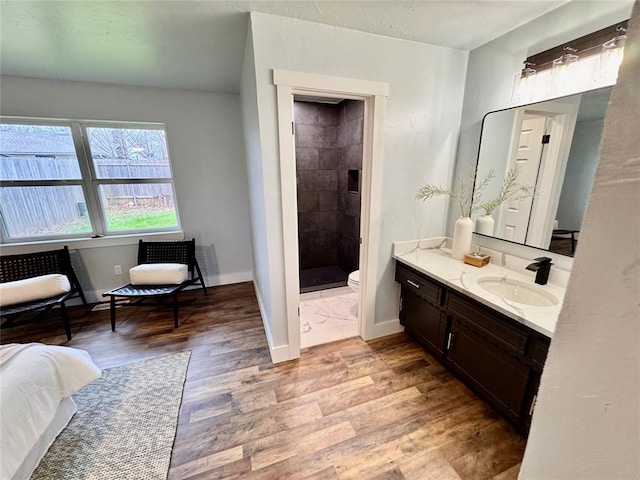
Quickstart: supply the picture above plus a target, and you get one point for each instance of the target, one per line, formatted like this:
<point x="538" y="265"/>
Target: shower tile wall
<point x="328" y="145"/>
<point x="317" y="176"/>
<point x="350" y="144"/>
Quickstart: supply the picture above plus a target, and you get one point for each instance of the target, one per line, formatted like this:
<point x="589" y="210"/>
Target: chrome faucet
<point x="542" y="267"/>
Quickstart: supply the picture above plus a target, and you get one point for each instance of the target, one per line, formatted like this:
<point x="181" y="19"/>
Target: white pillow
<point x="159" y="274"/>
<point x="35" y="288"/>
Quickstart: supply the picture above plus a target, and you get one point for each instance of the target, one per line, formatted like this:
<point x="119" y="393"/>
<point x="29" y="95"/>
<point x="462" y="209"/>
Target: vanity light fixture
<point x="524" y="83"/>
<point x="561" y="71"/>
<point x="577" y="65"/>
<point x="611" y="56"/>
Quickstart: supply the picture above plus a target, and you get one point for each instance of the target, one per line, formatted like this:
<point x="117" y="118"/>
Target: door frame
<point x="374" y="94"/>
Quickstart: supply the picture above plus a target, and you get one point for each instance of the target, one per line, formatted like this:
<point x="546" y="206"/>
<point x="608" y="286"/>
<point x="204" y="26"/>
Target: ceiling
<point x="199" y="45"/>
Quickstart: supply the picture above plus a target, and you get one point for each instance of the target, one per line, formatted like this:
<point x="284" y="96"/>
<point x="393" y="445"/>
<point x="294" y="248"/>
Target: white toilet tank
<point x="354" y="280"/>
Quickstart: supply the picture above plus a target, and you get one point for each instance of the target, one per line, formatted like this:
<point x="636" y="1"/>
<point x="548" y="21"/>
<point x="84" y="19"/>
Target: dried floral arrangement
<point x="470" y="200"/>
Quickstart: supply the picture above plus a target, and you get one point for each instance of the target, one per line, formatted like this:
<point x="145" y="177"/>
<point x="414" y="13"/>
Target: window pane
<point x="129" y="153"/>
<point x="44" y="211"/>
<point x="37" y="152"/>
<point x="138" y="206"/>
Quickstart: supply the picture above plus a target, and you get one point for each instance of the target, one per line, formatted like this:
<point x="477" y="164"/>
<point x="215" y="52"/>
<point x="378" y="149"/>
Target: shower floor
<point x="322" y="278"/>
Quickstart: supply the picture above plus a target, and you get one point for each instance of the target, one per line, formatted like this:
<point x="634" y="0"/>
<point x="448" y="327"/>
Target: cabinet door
<point x="529" y="403"/>
<point x="423" y="321"/>
<point x="499" y="377"/>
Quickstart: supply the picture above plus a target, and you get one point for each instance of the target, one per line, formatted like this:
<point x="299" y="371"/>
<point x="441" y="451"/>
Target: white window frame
<point x="90" y="183"/>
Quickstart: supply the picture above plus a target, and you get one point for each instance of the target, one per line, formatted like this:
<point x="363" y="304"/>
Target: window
<point x="75" y="179"/>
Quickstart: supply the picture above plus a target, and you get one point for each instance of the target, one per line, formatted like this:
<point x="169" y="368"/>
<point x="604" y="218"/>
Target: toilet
<point x="354" y="280"/>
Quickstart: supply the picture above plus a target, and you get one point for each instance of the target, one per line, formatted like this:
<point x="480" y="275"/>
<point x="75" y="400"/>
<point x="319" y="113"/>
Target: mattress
<point x="34" y="380"/>
<point x="63" y="415"/>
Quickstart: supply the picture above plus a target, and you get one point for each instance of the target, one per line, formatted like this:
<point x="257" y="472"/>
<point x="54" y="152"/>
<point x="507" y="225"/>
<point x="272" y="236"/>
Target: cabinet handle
<point x="533" y="404"/>
<point x="413" y="284"/>
<point x="449" y="340"/>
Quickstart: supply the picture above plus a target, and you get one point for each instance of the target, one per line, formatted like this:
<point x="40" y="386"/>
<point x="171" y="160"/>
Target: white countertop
<point x="425" y="256"/>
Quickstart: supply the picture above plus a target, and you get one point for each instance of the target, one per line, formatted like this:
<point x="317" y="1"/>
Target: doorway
<point x="290" y="84"/>
<point x="329" y="151"/>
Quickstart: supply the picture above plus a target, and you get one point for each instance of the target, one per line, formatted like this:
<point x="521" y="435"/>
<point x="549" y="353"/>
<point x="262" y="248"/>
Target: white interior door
<point x="514" y="218"/>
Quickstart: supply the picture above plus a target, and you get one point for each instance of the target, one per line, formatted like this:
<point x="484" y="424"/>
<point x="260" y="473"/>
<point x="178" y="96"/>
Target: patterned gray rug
<point x="125" y="425"/>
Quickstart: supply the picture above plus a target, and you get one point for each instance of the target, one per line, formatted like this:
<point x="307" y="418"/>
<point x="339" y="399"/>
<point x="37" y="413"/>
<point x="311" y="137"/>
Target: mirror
<point x="555" y="145"/>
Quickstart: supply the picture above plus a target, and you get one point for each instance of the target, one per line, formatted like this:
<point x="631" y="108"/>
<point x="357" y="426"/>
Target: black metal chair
<point x="29" y="265"/>
<point x="561" y="234"/>
<point x="159" y="252"/>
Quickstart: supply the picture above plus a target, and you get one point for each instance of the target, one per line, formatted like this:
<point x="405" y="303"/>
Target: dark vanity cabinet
<point x="421" y="310"/>
<point x="485" y="351"/>
<point x="498" y="357"/>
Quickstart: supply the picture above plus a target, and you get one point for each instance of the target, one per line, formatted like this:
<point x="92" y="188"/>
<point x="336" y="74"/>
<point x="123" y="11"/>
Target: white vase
<point x="462" y="233"/>
<point x="485" y="224"/>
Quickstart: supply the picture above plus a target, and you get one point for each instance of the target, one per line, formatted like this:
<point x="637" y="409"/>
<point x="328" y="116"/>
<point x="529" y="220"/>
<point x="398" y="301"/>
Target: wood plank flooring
<point x="346" y="410"/>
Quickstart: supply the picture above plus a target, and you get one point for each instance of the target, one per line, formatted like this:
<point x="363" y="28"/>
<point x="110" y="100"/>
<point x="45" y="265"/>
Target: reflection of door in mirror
<point x="565" y="170"/>
<point x="513" y="217"/>
<point x="540" y="146"/>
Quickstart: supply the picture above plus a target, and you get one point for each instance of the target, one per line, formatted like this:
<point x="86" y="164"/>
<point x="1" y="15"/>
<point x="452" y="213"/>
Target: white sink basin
<point x="518" y="292"/>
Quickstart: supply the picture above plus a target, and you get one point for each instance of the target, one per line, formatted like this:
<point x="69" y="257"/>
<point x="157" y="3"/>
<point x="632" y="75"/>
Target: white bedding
<point x="34" y="379"/>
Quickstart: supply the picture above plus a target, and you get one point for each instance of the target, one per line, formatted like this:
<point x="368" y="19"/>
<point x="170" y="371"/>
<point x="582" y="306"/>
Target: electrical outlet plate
<point x="117" y="269"/>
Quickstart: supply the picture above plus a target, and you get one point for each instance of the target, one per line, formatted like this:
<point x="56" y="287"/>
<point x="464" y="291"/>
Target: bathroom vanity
<point x="493" y="343"/>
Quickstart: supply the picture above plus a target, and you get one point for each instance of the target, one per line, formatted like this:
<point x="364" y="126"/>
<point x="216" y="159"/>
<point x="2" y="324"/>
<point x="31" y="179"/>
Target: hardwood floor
<point x="346" y="410"/>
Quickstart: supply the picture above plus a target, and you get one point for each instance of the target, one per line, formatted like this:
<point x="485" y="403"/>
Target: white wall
<point x="492" y="68"/>
<point x="421" y="131"/>
<point x="587" y="419"/>
<point x="255" y="177"/>
<point x="204" y="133"/>
<point x="581" y="167"/>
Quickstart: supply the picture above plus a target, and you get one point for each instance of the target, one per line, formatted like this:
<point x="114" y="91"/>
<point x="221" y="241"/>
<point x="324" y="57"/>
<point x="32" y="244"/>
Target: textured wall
<point x="587" y="419"/>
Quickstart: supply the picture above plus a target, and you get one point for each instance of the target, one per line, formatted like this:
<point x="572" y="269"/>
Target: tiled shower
<point x="329" y="171"/>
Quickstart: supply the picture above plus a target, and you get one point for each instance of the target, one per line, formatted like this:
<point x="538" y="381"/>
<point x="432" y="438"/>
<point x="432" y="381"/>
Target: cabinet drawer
<point x="418" y="284"/>
<point x="488" y="323"/>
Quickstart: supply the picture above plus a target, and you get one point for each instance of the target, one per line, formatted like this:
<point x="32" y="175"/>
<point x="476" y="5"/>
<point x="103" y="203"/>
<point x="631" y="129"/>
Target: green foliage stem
<point x="467" y="199"/>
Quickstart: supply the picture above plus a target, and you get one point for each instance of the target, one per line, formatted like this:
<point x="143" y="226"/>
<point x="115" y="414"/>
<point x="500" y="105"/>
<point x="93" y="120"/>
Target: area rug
<point x="125" y="425"/>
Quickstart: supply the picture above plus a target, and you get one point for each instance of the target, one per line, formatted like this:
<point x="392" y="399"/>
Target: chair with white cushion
<point x="164" y="269"/>
<point x="37" y="282"/>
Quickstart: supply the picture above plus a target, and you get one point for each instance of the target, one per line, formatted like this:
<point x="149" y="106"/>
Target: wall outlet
<point x="117" y="269"/>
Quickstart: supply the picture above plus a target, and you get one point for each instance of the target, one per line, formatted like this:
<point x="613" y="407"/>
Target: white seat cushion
<point x="35" y="288"/>
<point x="159" y="274"/>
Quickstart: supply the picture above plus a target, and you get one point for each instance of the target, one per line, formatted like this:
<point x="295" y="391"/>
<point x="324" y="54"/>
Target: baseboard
<point x="278" y="354"/>
<point x="387" y="328"/>
<point x="229" y="278"/>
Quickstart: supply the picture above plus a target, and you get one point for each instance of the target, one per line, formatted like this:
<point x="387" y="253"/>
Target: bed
<point x="36" y="384"/>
